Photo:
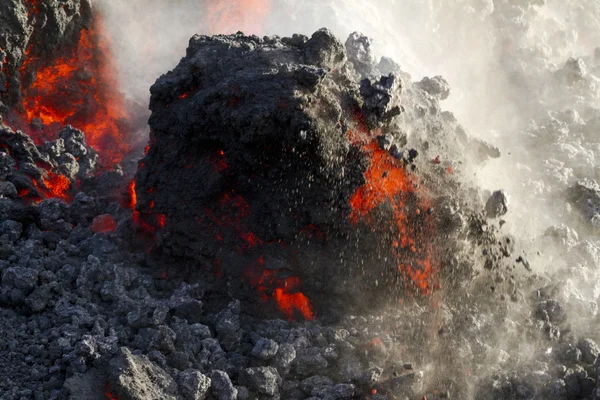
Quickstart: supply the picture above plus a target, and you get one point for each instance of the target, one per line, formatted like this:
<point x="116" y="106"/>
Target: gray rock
<point x="265" y="349"/>
<point x="315" y="382"/>
<point x="7" y="189"/>
<point x="436" y="87"/>
<point x="589" y="350"/>
<point x="38" y="299"/>
<point x="193" y="385"/>
<point x="228" y="325"/>
<point x="497" y="205"/>
<point x="24" y="279"/>
<point x="360" y="54"/>
<point x="306" y="365"/>
<point x="221" y="387"/>
<point x="284" y="358"/>
<point x="12" y="229"/>
<point x="324" y="50"/>
<point x="164" y="339"/>
<point x="585" y="196"/>
<point x="135" y="377"/>
<point x="265" y="380"/>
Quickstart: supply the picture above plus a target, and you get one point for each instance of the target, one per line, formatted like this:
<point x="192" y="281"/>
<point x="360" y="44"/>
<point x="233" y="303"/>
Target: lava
<point x="55" y="186"/>
<point x="232" y="214"/>
<point x="108" y="392"/>
<point x="130" y="202"/>
<point x="78" y="88"/>
<point x="387" y="182"/>
<point x="283" y="290"/>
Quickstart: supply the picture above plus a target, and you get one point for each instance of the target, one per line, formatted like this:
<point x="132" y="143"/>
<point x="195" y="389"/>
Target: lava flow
<point x="78" y="88"/>
<point x="55" y="185"/>
<point x="386" y="182"/>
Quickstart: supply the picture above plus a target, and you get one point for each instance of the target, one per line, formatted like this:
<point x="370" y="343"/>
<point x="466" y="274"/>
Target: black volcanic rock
<point x="249" y="155"/>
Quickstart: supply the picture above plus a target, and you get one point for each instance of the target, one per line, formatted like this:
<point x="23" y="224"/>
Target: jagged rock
<point x="585" y="195"/>
<point x="262" y="379"/>
<point x="221" y="387"/>
<point x="135" y="377"/>
<point x="360" y="54"/>
<point x="497" y="205"/>
<point x="436" y="86"/>
<point x="265" y="349"/>
<point x="193" y="385"/>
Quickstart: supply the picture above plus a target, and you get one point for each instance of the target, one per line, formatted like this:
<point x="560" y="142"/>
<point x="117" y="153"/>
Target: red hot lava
<point x="386" y="181"/>
<point x="77" y="88"/>
<point x="283" y="290"/>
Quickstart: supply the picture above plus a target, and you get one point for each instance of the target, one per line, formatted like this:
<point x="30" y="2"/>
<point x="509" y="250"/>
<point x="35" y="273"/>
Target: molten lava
<point x="227" y="16"/>
<point x="55" y="186"/>
<point x="130" y="202"/>
<point x="387" y="182"/>
<point x="283" y="290"/>
<point x="78" y="88"/>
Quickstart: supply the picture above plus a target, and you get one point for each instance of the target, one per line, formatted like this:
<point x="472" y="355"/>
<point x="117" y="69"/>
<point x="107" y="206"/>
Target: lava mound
<point x="268" y="162"/>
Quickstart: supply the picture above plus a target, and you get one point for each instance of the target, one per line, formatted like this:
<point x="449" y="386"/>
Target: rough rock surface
<point x="23" y="23"/>
<point x="266" y="134"/>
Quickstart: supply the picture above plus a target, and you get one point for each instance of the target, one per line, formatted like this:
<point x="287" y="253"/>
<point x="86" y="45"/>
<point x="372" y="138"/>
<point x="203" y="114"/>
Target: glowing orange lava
<point x="132" y="201"/>
<point x="79" y="88"/>
<point x="55" y="186"/>
<point x="387" y="182"/>
<point x="229" y="16"/>
<point x="283" y="291"/>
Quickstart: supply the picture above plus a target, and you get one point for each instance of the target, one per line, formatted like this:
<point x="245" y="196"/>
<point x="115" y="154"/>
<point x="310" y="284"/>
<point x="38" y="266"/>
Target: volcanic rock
<point x="237" y="117"/>
<point x="193" y="385"/>
<point x="436" y="86"/>
<point x="585" y="195"/>
<point x="262" y="379"/>
<point x="497" y="205"/>
<point x="136" y="377"/>
<point x="222" y="388"/>
<point x="265" y="349"/>
<point x="360" y="53"/>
